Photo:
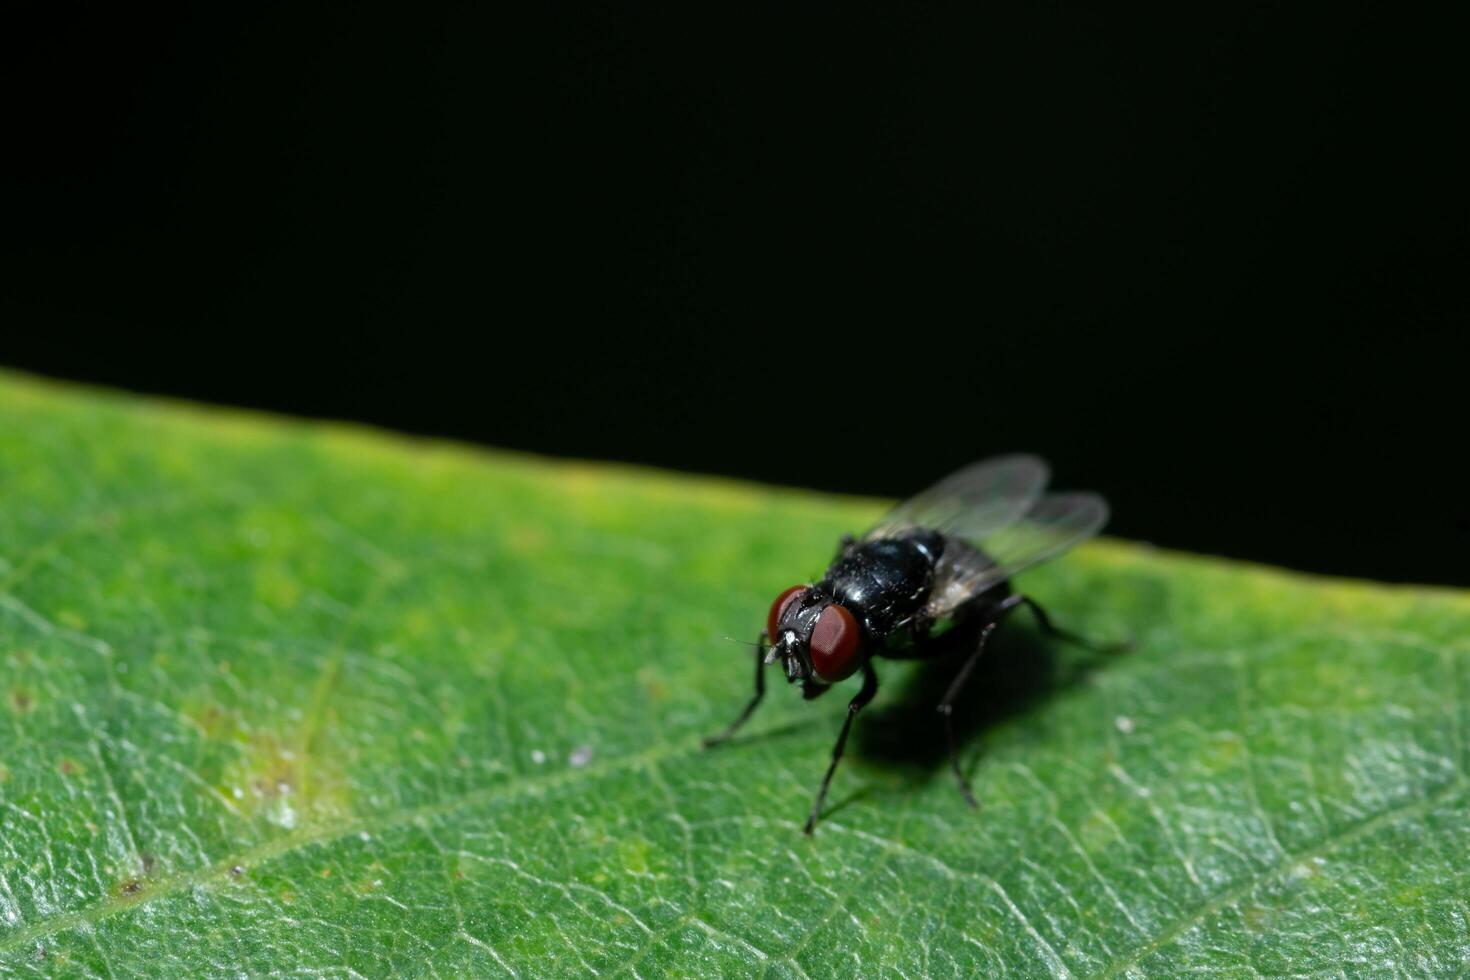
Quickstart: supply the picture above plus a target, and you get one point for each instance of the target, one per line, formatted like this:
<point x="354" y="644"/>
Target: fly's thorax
<point x="887" y="581"/>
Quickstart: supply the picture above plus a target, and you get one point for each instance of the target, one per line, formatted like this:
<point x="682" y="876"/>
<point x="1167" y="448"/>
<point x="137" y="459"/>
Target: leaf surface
<point x="281" y="698"/>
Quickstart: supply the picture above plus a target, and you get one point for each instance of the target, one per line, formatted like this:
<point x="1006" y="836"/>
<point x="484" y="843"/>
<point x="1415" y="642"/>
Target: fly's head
<point x="814" y="637"/>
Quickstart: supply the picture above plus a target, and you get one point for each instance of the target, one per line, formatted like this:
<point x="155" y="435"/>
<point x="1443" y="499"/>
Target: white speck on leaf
<point x="1124" y="724"/>
<point x="580" y="756"/>
<point x="537" y="756"/>
<point x="283" y="816"/>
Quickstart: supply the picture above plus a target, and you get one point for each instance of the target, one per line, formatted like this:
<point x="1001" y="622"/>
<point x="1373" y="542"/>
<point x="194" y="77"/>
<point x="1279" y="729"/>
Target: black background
<point x="1207" y="260"/>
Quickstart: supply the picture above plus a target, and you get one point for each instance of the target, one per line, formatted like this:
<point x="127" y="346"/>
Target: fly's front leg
<point x="869" y="688"/>
<point x="760" y="692"/>
<point x="946" y="706"/>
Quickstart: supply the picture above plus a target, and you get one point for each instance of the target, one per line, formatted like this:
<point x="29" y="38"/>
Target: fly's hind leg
<point x="1051" y="629"/>
<point x="760" y="692"/>
<point x="946" y="706"/>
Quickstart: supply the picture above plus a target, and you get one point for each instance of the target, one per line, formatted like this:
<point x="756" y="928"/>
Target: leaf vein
<point x="328" y="832"/>
<point x="1280" y="869"/>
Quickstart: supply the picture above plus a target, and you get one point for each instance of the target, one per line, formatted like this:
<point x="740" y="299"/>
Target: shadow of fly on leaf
<point x="1022" y="667"/>
<point x="930" y="582"/>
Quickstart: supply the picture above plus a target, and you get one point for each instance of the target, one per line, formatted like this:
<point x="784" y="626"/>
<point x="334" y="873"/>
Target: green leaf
<point x="300" y="698"/>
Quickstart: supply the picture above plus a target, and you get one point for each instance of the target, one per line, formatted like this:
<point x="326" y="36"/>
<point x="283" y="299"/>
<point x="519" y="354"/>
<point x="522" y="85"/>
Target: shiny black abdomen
<point x="883" y="583"/>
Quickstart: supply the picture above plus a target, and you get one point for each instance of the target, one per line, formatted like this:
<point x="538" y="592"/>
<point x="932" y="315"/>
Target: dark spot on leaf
<point x="149" y="861"/>
<point x="236" y="870"/>
<point x="130" y="886"/>
<point x="275" y="786"/>
<point x="69" y="767"/>
<point x="653" y="685"/>
<point x="210" y="718"/>
<point x="458" y="875"/>
<point x="22" y="700"/>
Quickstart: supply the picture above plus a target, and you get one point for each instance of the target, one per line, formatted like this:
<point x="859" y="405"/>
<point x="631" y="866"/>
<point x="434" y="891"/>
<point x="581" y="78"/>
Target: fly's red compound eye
<point x="773" y="618"/>
<point x="834" y="644"/>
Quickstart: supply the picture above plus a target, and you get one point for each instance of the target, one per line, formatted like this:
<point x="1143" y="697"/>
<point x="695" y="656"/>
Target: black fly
<point x="932" y="577"/>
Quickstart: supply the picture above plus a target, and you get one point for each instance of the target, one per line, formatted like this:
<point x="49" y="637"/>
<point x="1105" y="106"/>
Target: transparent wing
<point x="1059" y="521"/>
<point x="973" y="502"/>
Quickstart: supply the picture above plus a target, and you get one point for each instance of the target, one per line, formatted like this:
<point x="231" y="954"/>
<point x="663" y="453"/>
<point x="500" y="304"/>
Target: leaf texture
<point x="303" y="699"/>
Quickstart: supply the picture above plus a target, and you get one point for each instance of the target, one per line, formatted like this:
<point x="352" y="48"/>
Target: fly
<point x="931" y="578"/>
